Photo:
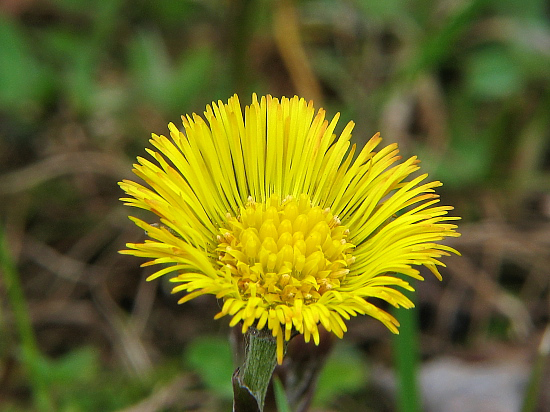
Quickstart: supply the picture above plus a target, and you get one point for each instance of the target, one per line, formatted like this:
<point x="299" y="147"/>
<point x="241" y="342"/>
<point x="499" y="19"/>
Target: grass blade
<point x="30" y="354"/>
<point x="405" y="353"/>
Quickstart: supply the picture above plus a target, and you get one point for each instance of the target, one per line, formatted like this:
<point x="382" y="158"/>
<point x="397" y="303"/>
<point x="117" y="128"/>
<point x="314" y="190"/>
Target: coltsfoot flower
<point x="277" y="216"/>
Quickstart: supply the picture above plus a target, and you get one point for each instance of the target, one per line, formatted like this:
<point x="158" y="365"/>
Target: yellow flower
<point x="274" y="214"/>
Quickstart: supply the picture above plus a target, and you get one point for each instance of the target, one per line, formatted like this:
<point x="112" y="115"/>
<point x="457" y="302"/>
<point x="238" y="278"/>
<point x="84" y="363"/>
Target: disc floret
<point x="284" y="251"/>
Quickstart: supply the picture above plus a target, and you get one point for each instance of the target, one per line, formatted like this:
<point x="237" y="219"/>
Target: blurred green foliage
<point x="211" y="358"/>
<point x="78" y="382"/>
<point x="490" y="57"/>
<point x="345" y="372"/>
<point x="24" y="83"/>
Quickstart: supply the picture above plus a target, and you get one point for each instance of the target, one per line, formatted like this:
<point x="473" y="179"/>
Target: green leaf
<point x="190" y="76"/>
<point x="469" y="162"/>
<point x="280" y="396"/>
<point x="24" y="82"/>
<point x="383" y="9"/>
<point x="437" y="46"/>
<point x="79" y="366"/>
<point x="493" y="73"/>
<point x="211" y="358"/>
<point x="535" y="9"/>
<point x="169" y="85"/>
<point x="344" y="372"/>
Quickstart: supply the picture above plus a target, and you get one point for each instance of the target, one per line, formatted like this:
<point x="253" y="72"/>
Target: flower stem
<point x="251" y="380"/>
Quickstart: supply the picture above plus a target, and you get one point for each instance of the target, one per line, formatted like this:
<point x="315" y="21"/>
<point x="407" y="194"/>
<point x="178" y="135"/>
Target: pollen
<point x="285" y="250"/>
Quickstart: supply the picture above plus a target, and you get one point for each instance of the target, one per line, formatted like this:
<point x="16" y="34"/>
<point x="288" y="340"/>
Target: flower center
<point x="283" y="251"/>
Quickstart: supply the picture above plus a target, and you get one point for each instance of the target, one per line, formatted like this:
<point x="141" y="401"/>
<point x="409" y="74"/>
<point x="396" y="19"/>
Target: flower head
<point x="274" y="214"/>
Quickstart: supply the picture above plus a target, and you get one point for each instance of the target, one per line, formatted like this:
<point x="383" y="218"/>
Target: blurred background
<point x="465" y="85"/>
